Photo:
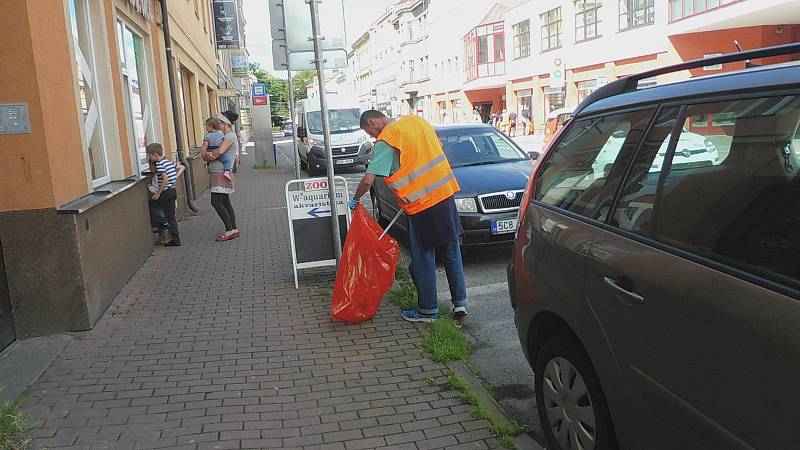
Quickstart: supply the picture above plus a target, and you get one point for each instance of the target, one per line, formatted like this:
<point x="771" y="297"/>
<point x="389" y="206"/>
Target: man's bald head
<point x="373" y="122"/>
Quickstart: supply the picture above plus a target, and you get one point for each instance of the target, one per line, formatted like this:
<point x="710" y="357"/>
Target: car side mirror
<point x="534" y="155"/>
<point x="301" y="132"/>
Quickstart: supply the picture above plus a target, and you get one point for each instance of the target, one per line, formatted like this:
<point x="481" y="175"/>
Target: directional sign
<point x="297" y="17"/>
<point x="333" y="59"/>
<point x="309" y="210"/>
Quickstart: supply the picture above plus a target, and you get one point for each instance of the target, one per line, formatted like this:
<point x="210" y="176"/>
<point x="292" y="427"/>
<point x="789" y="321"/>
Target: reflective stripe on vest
<point x="428" y="189"/>
<point x="402" y="182"/>
<point x="424" y="177"/>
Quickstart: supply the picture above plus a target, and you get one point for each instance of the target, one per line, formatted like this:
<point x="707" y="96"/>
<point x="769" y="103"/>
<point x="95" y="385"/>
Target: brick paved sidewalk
<point x="209" y="346"/>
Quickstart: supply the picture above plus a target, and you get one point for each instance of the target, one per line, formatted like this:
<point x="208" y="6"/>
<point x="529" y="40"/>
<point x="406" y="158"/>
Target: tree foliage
<point x="278" y="89"/>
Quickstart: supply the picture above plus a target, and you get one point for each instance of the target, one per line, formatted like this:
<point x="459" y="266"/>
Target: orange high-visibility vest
<point x="424" y="177"/>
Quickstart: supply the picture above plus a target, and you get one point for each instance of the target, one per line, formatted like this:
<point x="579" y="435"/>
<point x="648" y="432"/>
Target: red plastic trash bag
<point x="366" y="270"/>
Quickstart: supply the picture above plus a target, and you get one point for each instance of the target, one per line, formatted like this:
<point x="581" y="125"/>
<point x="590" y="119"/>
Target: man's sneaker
<point x="459" y="312"/>
<point x="416" y="316"/>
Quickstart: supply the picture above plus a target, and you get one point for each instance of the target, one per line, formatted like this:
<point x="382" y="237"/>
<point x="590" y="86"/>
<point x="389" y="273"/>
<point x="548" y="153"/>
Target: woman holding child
<point x="221" y="159"/>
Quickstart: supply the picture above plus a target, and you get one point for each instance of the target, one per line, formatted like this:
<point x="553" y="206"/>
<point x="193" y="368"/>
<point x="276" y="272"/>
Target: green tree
<point x="302" y="80"/>
<point x="278" y="90"/>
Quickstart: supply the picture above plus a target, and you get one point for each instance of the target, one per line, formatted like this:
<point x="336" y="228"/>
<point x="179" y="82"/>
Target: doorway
<point x="7" y="331"/>
<point x="485" y="111"/>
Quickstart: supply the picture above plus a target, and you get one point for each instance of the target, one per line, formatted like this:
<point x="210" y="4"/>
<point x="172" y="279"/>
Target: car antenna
<point x="747" y="63"/>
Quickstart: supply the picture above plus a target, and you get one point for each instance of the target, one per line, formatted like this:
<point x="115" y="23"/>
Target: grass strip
<point x="445" y="342"/>
<point x="404" y="296"/>
<point x="15" y="424"/>
<point x="504" y="432"/>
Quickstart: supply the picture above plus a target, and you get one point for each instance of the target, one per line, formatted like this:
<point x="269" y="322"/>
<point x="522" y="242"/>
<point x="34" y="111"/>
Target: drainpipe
<point x="176" y="116"/>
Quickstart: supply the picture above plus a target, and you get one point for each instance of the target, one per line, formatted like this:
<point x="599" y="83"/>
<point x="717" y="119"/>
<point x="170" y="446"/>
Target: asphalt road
<point x="490" y="322"/>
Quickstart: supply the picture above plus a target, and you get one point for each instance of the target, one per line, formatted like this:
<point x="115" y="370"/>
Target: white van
<point x="350" y="144"/>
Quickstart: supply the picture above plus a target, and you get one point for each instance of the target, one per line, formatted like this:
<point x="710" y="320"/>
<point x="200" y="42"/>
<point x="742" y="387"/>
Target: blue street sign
<point x="316" y="212"/>
<point x="259" y="90"/>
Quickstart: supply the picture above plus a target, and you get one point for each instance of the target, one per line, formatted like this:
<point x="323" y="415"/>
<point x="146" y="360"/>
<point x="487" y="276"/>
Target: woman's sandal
<point x="223" y="237"/>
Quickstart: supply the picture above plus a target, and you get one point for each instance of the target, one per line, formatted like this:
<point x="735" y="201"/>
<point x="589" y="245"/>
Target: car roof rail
<point x="630" y="83"/>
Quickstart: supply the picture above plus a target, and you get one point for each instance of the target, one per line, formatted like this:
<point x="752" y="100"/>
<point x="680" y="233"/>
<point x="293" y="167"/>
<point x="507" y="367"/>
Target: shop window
<point x="185" y="99"/>
<point x="553" y="99"/>
<point x="525" y="105"/>
<point x="86" y="84"/>
<point x="135" y="85"/>
<point x="586" y="19"/>
<point x="551" y="29"/>
<point x="585" y="88"/>
<point x="636" y="13"/>
<point x="522" y="39"/>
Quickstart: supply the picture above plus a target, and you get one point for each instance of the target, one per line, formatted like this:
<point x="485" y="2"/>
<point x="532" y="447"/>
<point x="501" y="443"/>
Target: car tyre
<point x="570" y="400"/>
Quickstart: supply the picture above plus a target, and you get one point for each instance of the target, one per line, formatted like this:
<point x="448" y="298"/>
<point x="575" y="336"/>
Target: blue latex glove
<point x="352" y="204"/>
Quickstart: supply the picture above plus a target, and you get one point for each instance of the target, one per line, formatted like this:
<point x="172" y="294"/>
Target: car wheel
<point x="569" y="398"/>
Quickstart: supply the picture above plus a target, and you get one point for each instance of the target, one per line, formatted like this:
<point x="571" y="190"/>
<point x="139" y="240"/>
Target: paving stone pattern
<point x="209" y="346"/>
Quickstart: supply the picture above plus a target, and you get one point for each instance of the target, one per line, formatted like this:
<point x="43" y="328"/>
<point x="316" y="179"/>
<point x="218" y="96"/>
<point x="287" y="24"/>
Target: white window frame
<point x="151" y="133"/>
<point x="96" y="110"/>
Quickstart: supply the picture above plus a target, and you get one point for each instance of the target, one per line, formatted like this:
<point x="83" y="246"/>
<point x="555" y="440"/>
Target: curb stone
<point x="487" y="402"/>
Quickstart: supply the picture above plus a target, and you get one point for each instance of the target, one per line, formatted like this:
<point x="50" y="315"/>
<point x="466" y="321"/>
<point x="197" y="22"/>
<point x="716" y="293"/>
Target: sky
<point x="359" y="14"/>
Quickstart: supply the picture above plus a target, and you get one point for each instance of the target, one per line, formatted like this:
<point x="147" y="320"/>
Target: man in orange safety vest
<point x="410" y="157"/>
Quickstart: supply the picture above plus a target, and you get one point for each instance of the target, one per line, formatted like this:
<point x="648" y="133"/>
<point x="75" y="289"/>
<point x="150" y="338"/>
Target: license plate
<point x="504" y="226"/>
<point x="344" y="161"/>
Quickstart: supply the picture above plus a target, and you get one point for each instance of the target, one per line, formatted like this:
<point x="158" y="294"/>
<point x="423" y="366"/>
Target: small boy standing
<point x="162" y="188"/>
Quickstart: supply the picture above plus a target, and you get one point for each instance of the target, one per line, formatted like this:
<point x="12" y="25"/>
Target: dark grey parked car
<point x="657" y="298"/>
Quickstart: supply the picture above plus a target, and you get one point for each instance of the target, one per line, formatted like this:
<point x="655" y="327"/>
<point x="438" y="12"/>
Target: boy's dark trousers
<point x="166" y="202"/>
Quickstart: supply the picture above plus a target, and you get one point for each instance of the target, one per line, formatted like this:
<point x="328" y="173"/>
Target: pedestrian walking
<point x="162" y="191"/>
<point x="222" y="187"/>
<point x="512" y="124"/>
<point x="526" y="120"/>
<point x="408" y="153"/>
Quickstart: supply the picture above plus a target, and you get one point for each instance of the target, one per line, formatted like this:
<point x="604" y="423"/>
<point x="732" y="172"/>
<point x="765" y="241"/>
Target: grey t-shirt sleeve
<point x="234" y="142"/>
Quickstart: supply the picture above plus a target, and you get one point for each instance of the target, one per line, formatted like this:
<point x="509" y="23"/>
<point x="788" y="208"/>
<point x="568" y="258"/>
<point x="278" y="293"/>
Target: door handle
<point x="631" y="295"/>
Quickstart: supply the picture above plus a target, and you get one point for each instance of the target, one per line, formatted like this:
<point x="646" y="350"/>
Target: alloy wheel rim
<point x="569" y="408"/>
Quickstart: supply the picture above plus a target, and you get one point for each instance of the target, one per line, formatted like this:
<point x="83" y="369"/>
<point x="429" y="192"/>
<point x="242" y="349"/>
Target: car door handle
<point x="631" y="295"/>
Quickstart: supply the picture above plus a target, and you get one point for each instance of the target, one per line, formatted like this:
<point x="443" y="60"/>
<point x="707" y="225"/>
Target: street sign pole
<point x="291" y="108"/>
<point x="317" y="38"/>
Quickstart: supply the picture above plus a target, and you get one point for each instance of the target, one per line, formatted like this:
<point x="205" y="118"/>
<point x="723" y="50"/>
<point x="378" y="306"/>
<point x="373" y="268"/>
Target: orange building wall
<point x="40" y="52"/>
<point x="61" y="126"/>
<point x="694" y="45"/>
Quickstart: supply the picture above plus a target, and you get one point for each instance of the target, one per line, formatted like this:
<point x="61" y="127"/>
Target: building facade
<point x="536" y="57"/>
<point x="89" y="90"/>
